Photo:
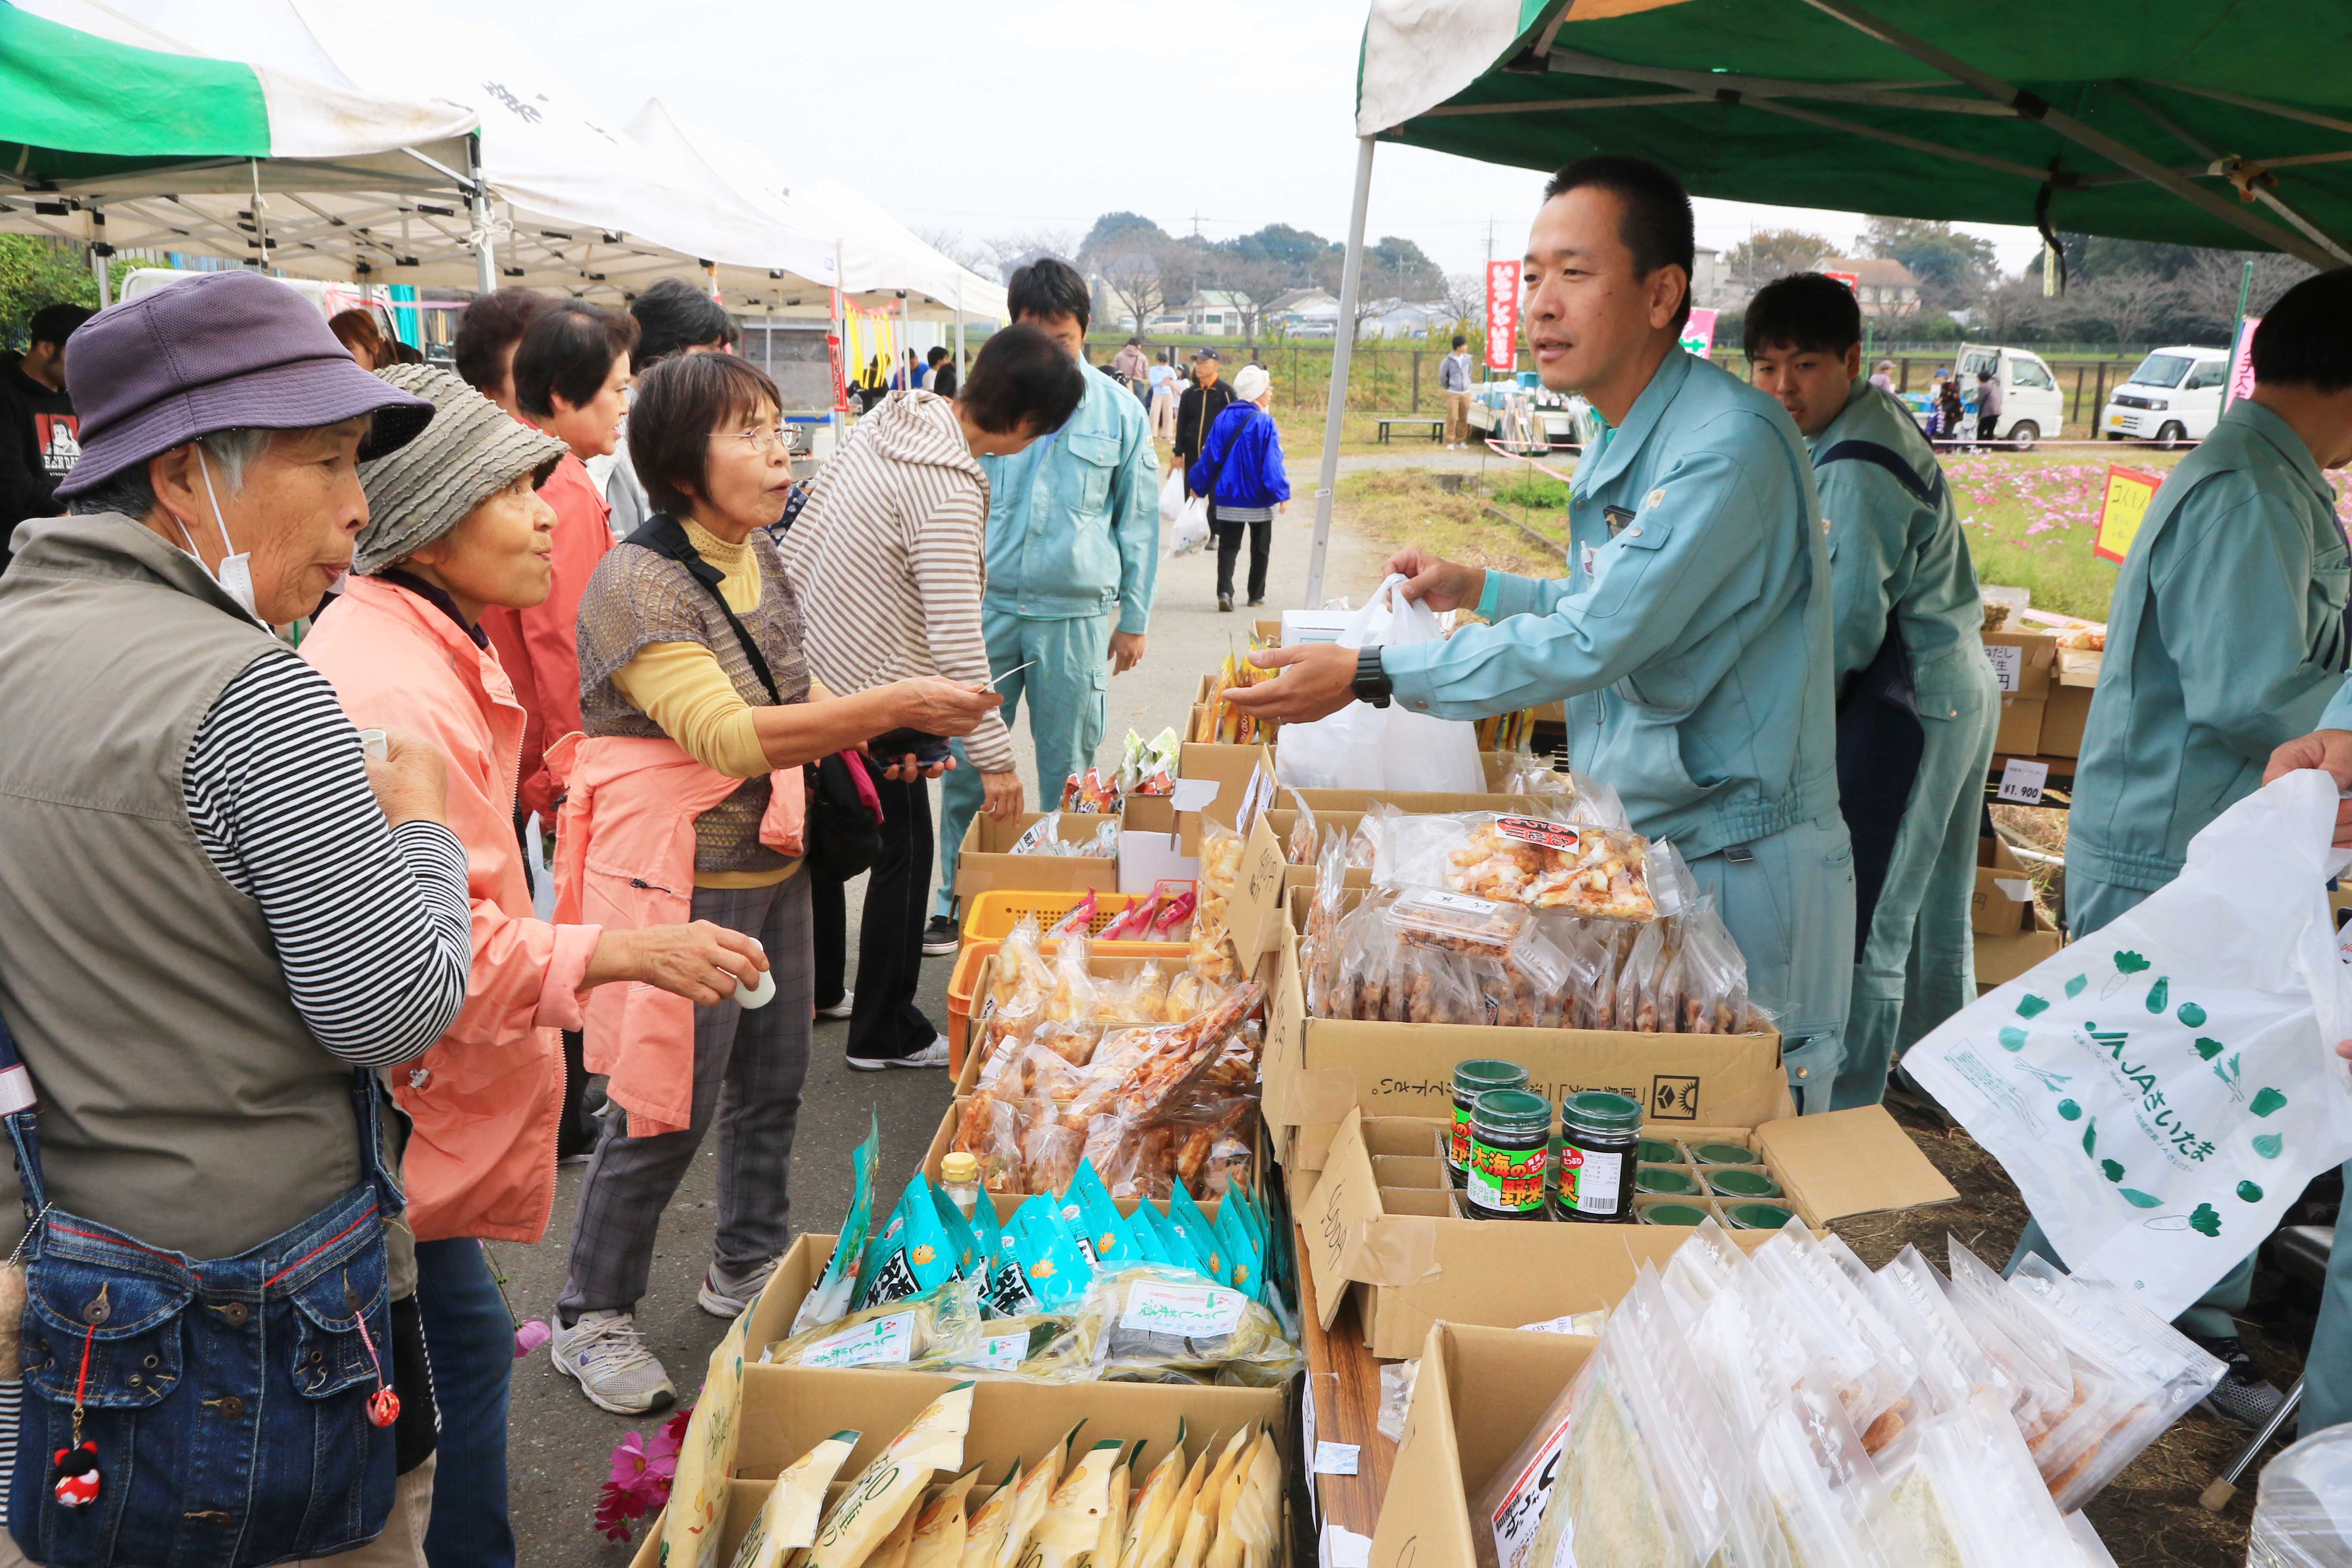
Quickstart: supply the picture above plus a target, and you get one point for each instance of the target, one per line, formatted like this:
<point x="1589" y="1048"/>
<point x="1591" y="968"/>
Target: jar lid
<point x="1480" y="1074"/>
<point x="1658" y="1151"/>
<point x="1512" y="1110"/>
<point x="1601" y="1110"/>
<point x="960" y="1167"/>
<point x="1758" y="1216"/>
<point x="1674" y="1213"/>
<point x="1740" y="1183"/>
<point x="1666" y="1178"/>
<point x="1722" y="1154"/>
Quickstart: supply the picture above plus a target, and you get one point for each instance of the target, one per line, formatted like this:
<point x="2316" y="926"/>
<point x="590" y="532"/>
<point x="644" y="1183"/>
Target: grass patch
<point x="2030" y="519"/>
<point x="1405" y="506"/>
<point x="1534" y="491"/>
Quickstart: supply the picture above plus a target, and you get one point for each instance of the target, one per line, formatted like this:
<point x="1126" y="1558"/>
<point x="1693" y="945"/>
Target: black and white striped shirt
<point x="371" y="924"/>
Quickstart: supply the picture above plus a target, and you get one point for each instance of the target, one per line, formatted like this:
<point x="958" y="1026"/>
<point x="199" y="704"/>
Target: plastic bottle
<point x="960" y="1179"/>
<point x="2303" y="1510"/>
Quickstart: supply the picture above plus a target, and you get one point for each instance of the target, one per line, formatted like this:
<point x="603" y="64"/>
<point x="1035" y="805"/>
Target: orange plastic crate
<point x="994" y="914"/>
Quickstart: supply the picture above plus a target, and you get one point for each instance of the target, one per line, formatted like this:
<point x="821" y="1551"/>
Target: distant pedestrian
<point x="1164" y="379"/>
<point x="673" y="316"/>
<point x="38" y="439"/>
<point x="1133" y="368"/>
<point x="1884" y="379"/>
<point x="1949" y="415"/>
<point x="1453" y="379"/>
<point x="357" y="331"/>
<point x="489" y="332"/>
<point x="1987" y="405"/>
<point x="940" y="374"/>
<point x="1197" y="409"/>
<point x="1241" y="469"/>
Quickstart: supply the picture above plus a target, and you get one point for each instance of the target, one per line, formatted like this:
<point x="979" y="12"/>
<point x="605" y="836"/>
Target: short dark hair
<point x="487" y="329"/>
<point x="55" y="323"/>
<point x="2306" y="338"/>
<point x="1046" y="288"/>
<point x="1805" y="312"/>
<point x="1658" y="227"/>
<point x="673" y="314"/>
<point x="568" y="350"/>
<point x="936" y="355"/>
<point x="681" y="403"/>
<point x="1460" y="341"/>
<point x="1022" y="376"/>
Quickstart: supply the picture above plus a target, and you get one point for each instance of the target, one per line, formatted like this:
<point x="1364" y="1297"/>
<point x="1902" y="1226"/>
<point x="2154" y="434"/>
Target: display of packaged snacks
<point x="1090" y="791"/>
<point x="1542" y="862"/>
<point x="788" y="1519"/>
<point x="886" y="1489"/>
<point x="1148" y="768"/>
<point x="1572" y="795"/>
<point x="1455" y="922"/>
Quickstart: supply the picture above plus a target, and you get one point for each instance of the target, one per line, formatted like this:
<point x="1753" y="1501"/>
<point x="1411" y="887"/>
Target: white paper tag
<point x="1189" y="1311"/>
<point x="1001" y="1353"/>
<point x="2016" y="890"/>
<point x="1336" y="1459"/>
<point x="1521" y="1513"/>
<point x="2007" y="664"/>
<point x="2021" y="782"/>
<point x="1461" y="903"/>
<point x="884" y="1341"/>
<point x="1343" y="1548"/>
<point x="1193" y="795"/>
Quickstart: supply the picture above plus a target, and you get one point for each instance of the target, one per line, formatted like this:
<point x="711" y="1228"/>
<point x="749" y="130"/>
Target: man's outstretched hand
<point x="2328" y="748"/>
<point x="1318" y="679"/>
<point x="1437" y="582"/>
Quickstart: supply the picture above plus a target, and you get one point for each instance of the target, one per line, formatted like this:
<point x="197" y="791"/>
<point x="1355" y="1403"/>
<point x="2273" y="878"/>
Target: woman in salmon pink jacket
<point x="454" y="526"/>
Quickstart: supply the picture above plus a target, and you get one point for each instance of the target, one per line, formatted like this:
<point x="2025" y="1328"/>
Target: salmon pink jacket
<point x="624" y="859"/>
<point x="486" y="1100"/>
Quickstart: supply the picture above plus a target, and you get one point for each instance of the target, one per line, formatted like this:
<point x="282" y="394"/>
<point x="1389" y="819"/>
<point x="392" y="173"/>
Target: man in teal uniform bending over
<point x="1691" y="638"/>
<point x="2225" y="639"/>
<point x="1917" y="705"/>
<point x="1073" y="553"/>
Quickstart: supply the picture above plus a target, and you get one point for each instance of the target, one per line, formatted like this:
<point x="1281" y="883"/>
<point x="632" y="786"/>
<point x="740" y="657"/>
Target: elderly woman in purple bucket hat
<point x="223" y="915"/>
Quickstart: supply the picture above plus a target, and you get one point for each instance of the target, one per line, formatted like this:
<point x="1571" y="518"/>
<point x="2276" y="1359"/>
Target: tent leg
<point x="98" y="271"/>
<point x="1343" y="344"/>
<point x="485" y="261"/>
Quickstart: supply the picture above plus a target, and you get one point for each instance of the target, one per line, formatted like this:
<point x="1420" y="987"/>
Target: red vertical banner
<point x="2241" y="362"/>
<point x="1502" y="316"/>
<point x="833" y="352"/>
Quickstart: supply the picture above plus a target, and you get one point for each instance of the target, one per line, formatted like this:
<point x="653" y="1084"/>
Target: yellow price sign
<point x="2128" y="492"/>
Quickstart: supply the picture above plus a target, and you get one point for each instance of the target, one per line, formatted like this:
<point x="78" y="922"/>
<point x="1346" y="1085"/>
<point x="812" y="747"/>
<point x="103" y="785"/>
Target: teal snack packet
<point x="1178" y="1252"/>
<point x="830" y="1300"/>
<point x="1184" y="1216"/>
<point x="1005" y="1293"/>
<point x="1055" y="1272"/>
<point x="912" y="1255"/>
<point x="1149" y="1248"/>
<point x="970" y="1261"/>
<point x="1087" y="1209"/>
<point x="1244" y="1253"/>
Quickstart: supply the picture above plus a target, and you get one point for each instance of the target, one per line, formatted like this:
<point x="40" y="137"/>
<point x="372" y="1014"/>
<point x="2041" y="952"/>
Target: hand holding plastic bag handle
<point x="1318" y="679"/>
<point x="2327" y="749"/>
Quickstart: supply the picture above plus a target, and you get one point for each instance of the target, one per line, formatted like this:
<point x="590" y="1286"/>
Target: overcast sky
<point x="1025" y="115"/>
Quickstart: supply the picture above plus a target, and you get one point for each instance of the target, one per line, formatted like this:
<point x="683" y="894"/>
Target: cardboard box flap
<point x="1845" y="1162"/>
<point x="1346" y="1195"/>
<point x="1255" y="916"/>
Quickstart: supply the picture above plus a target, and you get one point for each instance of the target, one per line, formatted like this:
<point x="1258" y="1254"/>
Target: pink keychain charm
<point x="383" y="1405"/>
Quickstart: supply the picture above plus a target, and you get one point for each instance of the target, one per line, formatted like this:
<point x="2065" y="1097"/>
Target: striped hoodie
<point x="886" y="557"/>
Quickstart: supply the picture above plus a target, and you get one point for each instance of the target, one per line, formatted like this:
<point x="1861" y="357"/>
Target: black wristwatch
<point x="1372" y="683"/>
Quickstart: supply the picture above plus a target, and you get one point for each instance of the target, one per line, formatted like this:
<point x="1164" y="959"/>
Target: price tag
<point x="2007" y="664"/>
<point x="2021" y="782"/>
<point x="1336" y="1459"/>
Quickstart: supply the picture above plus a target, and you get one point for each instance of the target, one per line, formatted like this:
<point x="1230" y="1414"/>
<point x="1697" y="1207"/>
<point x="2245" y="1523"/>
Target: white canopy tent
<point x="564" y="201"/>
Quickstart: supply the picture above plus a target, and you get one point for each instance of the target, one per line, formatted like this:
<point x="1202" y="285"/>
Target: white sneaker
<point x="606" y="1354"/>
<point x="724" y="1296"/>
<point x="934" y="1055"/>
<point x="839" y="1010"/>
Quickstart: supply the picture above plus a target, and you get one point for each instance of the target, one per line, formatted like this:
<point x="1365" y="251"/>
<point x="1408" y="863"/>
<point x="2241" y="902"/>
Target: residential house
<point x="1219" y="313"/>
<point x="1883" y="286"/>
<point x="1403" y="318"/>
<point x="1305" y="312"/>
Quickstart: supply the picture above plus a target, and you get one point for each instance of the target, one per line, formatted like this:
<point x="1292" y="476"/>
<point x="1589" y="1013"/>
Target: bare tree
<point x="2009" y="307"/>
<point x="1254" y="281"/>
<point x="1465" y="298"/>
<point x="1772" y="253"/>
<point x="2128" y="304"/>
<point x="1134" y="279"/>
<point x="1005" y="248"/>
<point x="956" y="247"/>
<point x="2211" y="278"/>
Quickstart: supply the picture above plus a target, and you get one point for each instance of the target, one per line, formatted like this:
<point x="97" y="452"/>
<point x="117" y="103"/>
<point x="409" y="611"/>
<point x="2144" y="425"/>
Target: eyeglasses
<point x="765" y="440"/>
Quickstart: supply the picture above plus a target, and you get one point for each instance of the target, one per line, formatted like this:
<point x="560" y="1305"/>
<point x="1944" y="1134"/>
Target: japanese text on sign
<point x="2241" y="362"/>
<point x="2006" y="660"/>
<point x="2128" y="492"/>
<point x="1699" y="333"/>
<point x="1502" y="316"/>
<point x="2021" y="782"/>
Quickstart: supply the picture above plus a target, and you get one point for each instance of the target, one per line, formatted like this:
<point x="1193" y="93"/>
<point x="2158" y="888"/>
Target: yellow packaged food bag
<point x="1158" y="1548"/>
<point x="789" y="1519"/>
<point x="1247" y="1531"/>
<point x="1201" y="1530"/>
<point x="705" y="1458"/>
<point x="1122" y="1492"/>
<point x="983" y="1534"/>
<point x="1073" y="1521"/>
<point x="939" y="1529"/>
<point x="1029" y="1500"/>
<point x="892" y="1552"/>
<point x="886" y="1489"/>
<point x="1152" y="1505"/>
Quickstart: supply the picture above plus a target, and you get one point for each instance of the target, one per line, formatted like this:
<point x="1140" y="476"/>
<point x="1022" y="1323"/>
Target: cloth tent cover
<point x="2010" y="111"/>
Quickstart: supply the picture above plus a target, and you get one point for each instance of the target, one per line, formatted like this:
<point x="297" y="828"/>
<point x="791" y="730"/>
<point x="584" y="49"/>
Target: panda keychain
<point x="73" y="1470"/>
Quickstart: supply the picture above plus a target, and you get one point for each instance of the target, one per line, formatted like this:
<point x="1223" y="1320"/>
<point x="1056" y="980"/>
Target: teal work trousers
<point x="1066" y="689"/>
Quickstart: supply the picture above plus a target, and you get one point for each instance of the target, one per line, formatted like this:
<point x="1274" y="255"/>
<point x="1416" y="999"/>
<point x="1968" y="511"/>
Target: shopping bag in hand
<point x="2162" y="1089"/>
<point x="1172" y="496"/>
<point x="1191" y="530"/>
<point x="1364" y="747"/>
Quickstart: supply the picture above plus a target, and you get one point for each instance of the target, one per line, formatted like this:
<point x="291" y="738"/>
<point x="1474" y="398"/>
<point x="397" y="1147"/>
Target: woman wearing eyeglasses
<point x="683" y="801"/>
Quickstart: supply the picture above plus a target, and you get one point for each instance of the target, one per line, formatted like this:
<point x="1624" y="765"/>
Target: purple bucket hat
<point x="224" y="351"/>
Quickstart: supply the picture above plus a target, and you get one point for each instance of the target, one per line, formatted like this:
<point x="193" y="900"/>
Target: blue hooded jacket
<point x="1242" y="460"/>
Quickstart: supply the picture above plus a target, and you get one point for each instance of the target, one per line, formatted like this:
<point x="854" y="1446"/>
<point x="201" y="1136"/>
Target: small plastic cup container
<point x="1757" y="1216"/>
<point x="1723" y="1154"/>
<point x="1658" y="1151"/>
<point x="1666" y="1179"/>
<point x="1742" y="1184"/>
<point x="1673" y="1213"/>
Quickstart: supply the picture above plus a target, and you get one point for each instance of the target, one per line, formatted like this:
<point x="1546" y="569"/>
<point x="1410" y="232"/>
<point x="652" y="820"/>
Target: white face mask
<point x="234" y="573"/>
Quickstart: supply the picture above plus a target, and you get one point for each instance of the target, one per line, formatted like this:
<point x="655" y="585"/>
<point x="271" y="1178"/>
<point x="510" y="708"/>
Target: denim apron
<point x="228" y="1400"/>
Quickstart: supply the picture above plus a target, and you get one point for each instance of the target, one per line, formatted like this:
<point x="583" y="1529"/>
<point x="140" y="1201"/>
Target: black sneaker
<point x="1225" y="601"/>
<point x="2244" y="1397"/>
<point x="941" y="937"/>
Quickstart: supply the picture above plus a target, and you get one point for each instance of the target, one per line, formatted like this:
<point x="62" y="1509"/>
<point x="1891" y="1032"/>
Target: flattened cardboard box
<point x="2020" y="734"/>
<point x="1479" y="1393"/>
<point x="2002" y="959"/>
<point x="1414" y="1268"/>
<point x="788" y="1410"/>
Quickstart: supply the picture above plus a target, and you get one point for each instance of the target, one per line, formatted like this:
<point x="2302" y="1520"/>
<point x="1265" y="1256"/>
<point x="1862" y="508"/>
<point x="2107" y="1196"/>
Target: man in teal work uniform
<point x="1691" y="638"/>
<point x="2225" y="638"/>
<point x="1072" y="553"/>
<point x="1918" y="704"/>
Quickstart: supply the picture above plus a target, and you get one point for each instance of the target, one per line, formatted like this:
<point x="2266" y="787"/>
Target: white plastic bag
<point x="1172" y="496"/>
<point x="2163" y="1089"/>
<point x="1364" y="747"/>
<point x="1191" y="530"/>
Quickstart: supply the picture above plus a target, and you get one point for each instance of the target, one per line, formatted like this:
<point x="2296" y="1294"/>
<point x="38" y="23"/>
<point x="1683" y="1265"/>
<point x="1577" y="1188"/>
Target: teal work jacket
<point x="1074" y="518"/>
<point x="1691" y="639"/>
<point x="2225" y="638"/>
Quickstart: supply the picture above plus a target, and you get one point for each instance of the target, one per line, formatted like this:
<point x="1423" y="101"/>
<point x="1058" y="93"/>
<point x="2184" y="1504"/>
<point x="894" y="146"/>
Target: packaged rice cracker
<point x="1157" y="1546"/>
<point x="1074" y="1510"/>
<point x="1052" y="1265"/>
<point x="939" y="1529"/>
<point x="788" y="1519"/>
<point x="886" y="1489"/>
<point x="1201" y="1530"/>
<point x="912" y="1255"/>
<point x="1151" y="1503"/>
<point x="1088" y="1208"/>
<point x="983" y="1534"/>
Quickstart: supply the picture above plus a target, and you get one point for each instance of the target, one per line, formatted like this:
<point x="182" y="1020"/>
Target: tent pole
<point x="98" y="251"/>
<point x="959" y="331"/>
<point x="485" y="261"/>
<point x="1343" y="346"/>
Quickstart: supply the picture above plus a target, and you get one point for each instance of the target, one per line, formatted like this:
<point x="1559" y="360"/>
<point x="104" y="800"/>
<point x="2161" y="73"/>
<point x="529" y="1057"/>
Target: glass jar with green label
<point x="1510" y="1154"/>
<point x="1471" y="1080"/>
<point x="1599" y="1132"/>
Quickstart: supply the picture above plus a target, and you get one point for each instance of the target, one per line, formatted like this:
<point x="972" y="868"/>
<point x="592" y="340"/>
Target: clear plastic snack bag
<point x="1304" y="839"/>
<point x="2004" y="1323"/>
<point x="931" y="1328"/>
<point x="1164" y="1324"/>
<point x="1319" y="950"/>
<point x="1539" y="861"/>
<point x="1953" y="1367"/>
<point x="1833" y="1332"/>
<point x="1962" y="1493"/>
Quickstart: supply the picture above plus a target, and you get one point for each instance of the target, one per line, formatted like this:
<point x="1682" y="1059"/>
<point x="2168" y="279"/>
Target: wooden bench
<point x="1436" y="423"/>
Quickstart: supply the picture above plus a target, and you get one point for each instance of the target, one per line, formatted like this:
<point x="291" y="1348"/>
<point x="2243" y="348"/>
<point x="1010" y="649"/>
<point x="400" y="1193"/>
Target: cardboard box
<point x="2062" y="720"/>
<point x="1414" y="1267"/>
<point x="2080" y="666"/>
<point x="2024" y="662"/>
<point x="2003" y="902"/>
<point x="2000" y="959"/>
<point x="986" y="859"/>
<point x="2020" y="734"/>
<point x="1479" y="1393"/>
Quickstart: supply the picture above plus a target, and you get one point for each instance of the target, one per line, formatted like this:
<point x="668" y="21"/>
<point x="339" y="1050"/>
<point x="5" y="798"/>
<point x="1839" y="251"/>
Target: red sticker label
<point x="1536" y="830"/>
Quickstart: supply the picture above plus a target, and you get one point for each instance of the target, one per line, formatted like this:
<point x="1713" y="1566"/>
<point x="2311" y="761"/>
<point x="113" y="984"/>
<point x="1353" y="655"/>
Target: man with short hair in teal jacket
<point x="2226" y="638"/>
<point x="1073" y="553"/>
<point x="1691" y="640"/>
<point x="1918" y="706"/>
